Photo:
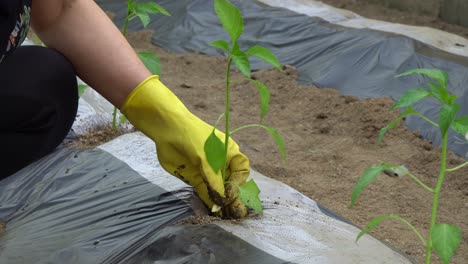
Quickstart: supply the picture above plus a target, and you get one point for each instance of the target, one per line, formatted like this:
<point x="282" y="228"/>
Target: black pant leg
<point x="38" y="104"/>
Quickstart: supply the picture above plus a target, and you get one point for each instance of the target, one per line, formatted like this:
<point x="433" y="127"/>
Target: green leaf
<point x="150" y="8"/>
<point x="220" y="44"/>
<point x="410" y="97"/>
<point x="460" y="125"/>
<point x="131" y="6"/>
<point x="376" y="221"/>
<point x="144" y="18"/>
<point x="278" y="140"/>
<point x="241" y="60"/>
<point x="122" y="119"/>
<point x="265" y="55"/>
<point x="151" y="61"/>
<point x="81" y="88"/>
<point x="264" y="98"/>
<point x="445" y="240"/>
<point x="451" y="98"/>
<point x="408" y="111"/>
<point x="369" y="175"/>
<point x="249" y="195"/>
<point x="439" y="92"/>
<point x="214" y="151"/>
<point x="447" y="114"/>
<point x="436" y="74"/>
<point x="230" y="18"/>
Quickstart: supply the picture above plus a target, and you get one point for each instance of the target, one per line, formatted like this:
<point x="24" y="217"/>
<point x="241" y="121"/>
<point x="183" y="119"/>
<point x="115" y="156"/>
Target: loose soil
<point x="370" y="9"/>
<point x="97" y="137"/>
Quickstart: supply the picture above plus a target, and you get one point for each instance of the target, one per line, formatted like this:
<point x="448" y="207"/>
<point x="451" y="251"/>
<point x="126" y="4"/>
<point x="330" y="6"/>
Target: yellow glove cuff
<point x="142" y="85"/>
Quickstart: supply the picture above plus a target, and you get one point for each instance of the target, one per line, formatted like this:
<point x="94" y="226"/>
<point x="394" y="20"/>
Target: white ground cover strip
<point x="437" y="38"/>
<point x="292" y="227"/>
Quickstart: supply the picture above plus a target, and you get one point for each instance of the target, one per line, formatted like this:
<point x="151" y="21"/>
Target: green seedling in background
<point x="215" y="150"/>
<point x="149" y="59"/>
<point x="443" y="238"/>
<point x="81" y="89"/>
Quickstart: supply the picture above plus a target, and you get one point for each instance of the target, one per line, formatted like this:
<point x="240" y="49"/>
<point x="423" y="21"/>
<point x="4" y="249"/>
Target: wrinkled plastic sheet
<point x="89" y="207"/>
<point x="357" y="59"/>
<point x="83" y="207"/>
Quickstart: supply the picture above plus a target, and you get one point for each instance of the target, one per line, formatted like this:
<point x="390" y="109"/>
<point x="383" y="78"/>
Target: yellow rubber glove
<point x="180" y="137"/>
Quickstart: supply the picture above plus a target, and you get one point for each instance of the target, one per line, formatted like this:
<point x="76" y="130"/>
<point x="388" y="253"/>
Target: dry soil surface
<point x="330" y="139"/>
<point x="370" y="9"/>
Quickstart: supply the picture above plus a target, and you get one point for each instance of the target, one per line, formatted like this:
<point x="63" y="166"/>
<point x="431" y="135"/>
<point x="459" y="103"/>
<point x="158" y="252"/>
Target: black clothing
<point x="14" y="24"/>
<point x="38" y="92"/>
<point x="38" y="104"/>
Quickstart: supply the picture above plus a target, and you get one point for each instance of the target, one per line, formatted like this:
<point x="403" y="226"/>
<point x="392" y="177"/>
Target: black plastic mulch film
<point x="89" y="207"/>
<point x="358" y="62"/>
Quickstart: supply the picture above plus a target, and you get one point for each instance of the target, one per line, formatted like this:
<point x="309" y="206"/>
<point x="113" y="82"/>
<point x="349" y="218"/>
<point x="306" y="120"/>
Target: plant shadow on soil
<point x="330" y="139"/>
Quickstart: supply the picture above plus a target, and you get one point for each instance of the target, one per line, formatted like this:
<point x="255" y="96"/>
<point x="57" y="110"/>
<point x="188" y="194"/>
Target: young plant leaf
<point x="144" y="18"/>
<point x="460" y="125"/>
<point x="249" y="195"/>
<point x="408" y="111"/>
<point x="410" y="97"/>
<point x="278" y="140"/>
<point x="446" y="240"/>
<point x="242" y="61"/>
<point x="122" y="119"/>
<point x="81" y="88"/>
<point x="439" y="92"/>
<point x="451" y="98"/>
<point x="264" y="98"/>
<point x="151" y="8"/>
<point x="143" y="10"/>
<point x="447" y="114"/>
<point x="214" y="151"/>
<point x="131" y="6"/>
<point x="220" y="44"/>
<point x="369" y="175"/>
<point x="230" y="18"/>
<point x="151" y="61"/>
<point x="264" y="54"/>
<point x="377" y="220"/>
<point x="436" y="74"/>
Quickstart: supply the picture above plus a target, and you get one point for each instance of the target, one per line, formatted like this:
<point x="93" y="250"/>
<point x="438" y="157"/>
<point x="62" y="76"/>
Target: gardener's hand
<point x="180" y="137"/>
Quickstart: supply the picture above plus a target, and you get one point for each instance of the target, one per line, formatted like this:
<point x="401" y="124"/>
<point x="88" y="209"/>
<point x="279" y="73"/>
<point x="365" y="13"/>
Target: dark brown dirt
<point x="330" y="140"/>
<point x="97" y="137"/>
<point x="199" y="220"/>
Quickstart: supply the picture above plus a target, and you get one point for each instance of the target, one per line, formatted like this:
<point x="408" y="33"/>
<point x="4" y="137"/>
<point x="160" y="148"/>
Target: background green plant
<point x="216" y="150"/>
<point x="443" y="238"/>
<point x="141" y="11"/>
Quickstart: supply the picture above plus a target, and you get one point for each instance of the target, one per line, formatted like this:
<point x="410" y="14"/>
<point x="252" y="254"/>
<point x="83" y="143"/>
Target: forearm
<point x="102" y="57"/>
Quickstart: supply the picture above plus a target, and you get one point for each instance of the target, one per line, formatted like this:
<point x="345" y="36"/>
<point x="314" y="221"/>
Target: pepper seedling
<point x="149" y="59"/>
<point x="215" y="150"/>
<point x="443" y="238"/>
